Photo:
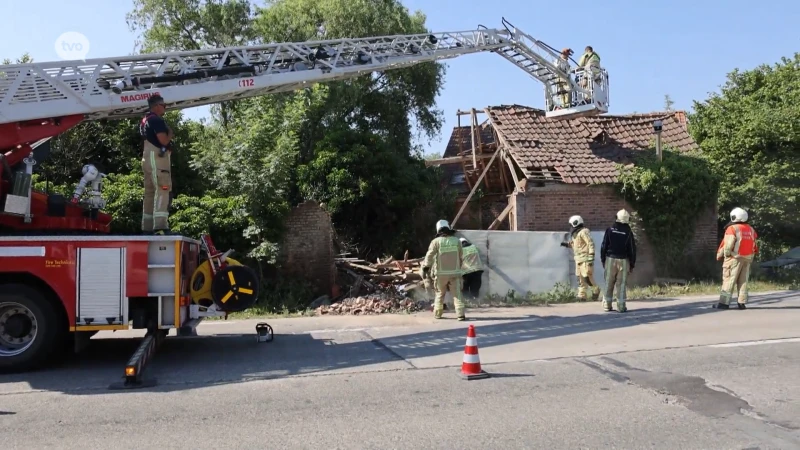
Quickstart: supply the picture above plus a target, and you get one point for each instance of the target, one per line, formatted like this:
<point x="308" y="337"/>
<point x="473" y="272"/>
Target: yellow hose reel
<point x="233" y="288"/>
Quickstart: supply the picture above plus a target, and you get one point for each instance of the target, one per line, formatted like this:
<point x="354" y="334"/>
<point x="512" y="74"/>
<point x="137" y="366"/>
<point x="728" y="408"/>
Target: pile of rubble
<point x="375" y="288"/>
<point x="380" y="303"/>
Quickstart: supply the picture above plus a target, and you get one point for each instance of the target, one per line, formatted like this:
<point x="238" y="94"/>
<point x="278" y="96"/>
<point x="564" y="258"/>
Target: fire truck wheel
<point x="234" y="288"/>
<point x="29" y="328"/>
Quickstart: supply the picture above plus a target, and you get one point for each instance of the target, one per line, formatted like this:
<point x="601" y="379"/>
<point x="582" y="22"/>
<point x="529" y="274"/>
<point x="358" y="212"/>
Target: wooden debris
<point x="365" y="278"/>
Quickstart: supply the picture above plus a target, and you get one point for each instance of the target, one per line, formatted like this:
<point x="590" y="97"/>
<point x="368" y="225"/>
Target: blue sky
<point x="682" y="48"/>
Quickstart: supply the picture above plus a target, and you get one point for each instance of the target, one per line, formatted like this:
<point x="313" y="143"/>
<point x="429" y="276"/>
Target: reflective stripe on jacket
<point x="444" y="256"/>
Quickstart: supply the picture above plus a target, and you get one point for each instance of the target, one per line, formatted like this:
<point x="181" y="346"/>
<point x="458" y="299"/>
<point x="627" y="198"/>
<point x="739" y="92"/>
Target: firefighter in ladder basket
<point x="156" y="167"/>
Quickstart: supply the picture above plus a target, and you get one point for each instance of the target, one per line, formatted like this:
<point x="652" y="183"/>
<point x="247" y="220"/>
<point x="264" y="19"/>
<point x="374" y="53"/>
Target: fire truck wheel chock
<point x="234" y="288"/>
<point x="264" y="332"/>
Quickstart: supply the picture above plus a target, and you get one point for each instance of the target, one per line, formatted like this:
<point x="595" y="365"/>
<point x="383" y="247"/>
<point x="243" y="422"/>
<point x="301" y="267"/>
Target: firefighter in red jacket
<point x="737" y="250"/>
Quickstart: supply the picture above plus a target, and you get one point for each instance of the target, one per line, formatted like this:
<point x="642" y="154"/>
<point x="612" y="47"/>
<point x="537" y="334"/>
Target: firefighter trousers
<point x="472" y="284"/>
<point x="735" y="275"/>
<point x="585" y="273"/>
<point x="616" y="277"/>
<point x="440" y="286"/>
<point x="157" y="189"/>
<point x="563" y="89"/>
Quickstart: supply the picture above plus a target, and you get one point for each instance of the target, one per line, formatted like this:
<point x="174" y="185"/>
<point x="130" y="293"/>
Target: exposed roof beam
<point x="455" y="159"/>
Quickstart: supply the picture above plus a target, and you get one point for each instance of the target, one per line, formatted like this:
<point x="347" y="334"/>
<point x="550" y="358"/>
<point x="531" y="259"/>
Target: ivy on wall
<point x="667" y="197"/>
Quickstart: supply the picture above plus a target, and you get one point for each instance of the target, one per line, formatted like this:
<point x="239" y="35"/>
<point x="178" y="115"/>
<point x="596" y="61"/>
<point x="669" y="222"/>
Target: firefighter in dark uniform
<point x="156" y="167"/>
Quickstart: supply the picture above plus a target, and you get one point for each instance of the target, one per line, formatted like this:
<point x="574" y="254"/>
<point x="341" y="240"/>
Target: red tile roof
<point x="584" y="150"/>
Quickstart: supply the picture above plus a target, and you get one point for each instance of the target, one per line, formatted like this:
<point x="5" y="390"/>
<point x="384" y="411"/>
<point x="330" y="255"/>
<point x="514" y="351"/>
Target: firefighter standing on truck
<point x="738" y="248"/>
<point x="583" y="251"/>
<point x="618" y="255"/>
<point x="443" y="260"/>
<point x="156" y="167"/>
<point x="472" y="269"/>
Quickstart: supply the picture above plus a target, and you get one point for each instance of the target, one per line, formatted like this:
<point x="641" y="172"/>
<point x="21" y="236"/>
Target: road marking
<point x="751" y="343"/>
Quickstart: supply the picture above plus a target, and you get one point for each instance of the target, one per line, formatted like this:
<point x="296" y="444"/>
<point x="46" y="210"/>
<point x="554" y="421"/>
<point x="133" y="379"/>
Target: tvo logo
<point x="72" y="45"/>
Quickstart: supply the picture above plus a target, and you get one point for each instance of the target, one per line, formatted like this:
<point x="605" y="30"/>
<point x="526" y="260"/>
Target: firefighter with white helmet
<point x="472" y="269"/>
<point x="443" y="260"/>
<point x="583" y="250"/>
<point x="618" y="255"/>
<point x="737" y="250"/>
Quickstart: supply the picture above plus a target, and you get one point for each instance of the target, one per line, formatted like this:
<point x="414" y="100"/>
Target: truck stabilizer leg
<point x="134" y="370"/>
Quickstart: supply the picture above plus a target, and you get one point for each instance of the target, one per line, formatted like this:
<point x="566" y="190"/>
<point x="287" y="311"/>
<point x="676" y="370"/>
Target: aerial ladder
<point x="41" y="100"/>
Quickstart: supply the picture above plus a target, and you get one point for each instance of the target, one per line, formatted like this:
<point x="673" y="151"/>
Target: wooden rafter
<point x="474" y="188"/>
<point x="502" y="144"/>
<point x="453" y="160"/>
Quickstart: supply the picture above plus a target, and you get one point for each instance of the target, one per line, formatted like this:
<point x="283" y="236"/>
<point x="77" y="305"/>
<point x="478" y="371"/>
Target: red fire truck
<point x="64" y="275"/>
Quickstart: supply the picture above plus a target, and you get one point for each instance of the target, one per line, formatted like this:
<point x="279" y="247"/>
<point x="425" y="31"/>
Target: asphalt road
<point x="668" y="374"/>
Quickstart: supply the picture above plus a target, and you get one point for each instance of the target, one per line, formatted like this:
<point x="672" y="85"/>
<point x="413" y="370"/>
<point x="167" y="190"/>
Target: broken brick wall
<point x="548" y="208"/>
<point x="307" y="249"/>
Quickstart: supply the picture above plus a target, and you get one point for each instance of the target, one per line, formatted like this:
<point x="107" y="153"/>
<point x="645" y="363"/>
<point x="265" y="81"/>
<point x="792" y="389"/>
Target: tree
<point x="25" y="59"/>
<point x="668" y="103"/>
<point x="750" y="135"/>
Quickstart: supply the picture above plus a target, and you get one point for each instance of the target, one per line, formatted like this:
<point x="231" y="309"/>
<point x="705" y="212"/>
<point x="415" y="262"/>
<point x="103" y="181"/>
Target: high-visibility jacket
<point x="589" y="60"/>
<point x="583" y="246"/>
<point x="444" y="256"/>
<point x="470" y="260"/>
<point x="739" y="241"/>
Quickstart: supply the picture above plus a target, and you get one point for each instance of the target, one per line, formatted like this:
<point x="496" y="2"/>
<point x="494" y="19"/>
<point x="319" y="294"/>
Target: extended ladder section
<point x="582" y="92"/>
<point x="119" y="87"/>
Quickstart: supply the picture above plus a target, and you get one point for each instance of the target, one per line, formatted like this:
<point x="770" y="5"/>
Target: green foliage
<point x="750" y="135"/>
<point x="368" y="188"/>
<point x="668" y="196"/>
<point x="124" y="194"/>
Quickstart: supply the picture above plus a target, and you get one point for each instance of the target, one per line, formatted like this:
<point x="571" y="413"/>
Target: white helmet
<point x="738" y="215"/>
<point x="575" y="221"/>
<point x="442" y="225"/>
<point x="623" y="216"/>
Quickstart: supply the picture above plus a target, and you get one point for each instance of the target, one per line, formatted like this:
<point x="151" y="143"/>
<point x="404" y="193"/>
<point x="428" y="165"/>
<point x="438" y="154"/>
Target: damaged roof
<point x="583" y="150"/>
<point x="461" y="136"/>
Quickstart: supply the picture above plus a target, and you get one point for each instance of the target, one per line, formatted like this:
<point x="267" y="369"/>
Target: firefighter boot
<point x="607" y="307"/>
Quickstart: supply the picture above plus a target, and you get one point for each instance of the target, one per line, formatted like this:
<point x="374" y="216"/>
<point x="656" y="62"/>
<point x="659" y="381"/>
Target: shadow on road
<point x="197" y="362"/>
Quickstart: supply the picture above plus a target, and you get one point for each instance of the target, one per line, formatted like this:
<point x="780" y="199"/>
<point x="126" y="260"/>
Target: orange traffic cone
<point x="471" y="364"/>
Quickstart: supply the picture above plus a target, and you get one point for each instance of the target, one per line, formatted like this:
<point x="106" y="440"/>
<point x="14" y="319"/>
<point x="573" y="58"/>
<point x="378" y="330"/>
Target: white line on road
<point x="751" y="343"/>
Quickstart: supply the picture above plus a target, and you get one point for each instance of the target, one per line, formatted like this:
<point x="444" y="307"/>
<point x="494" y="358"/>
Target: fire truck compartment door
<point x="101" y="286"/>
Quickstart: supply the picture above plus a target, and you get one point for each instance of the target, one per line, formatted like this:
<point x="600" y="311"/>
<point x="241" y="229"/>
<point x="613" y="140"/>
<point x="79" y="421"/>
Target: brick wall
<point x="548" y="207"/>
<point x="307" y="249"/>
